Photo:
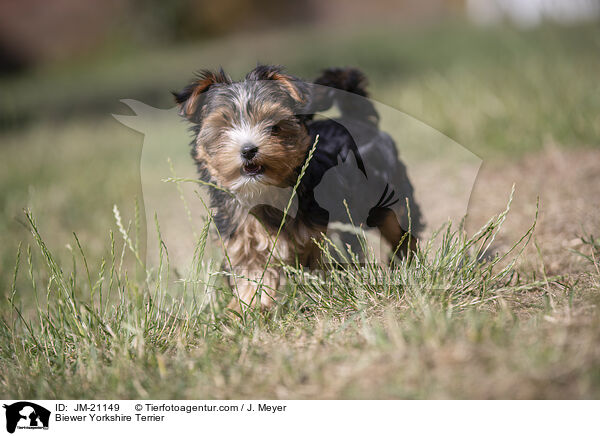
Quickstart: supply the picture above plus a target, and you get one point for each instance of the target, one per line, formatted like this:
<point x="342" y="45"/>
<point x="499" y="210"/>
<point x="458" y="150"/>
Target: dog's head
<point x="249" y="134"/>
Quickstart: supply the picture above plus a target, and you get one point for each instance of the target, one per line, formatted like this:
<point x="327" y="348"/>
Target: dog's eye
<point x="275" y="129"/>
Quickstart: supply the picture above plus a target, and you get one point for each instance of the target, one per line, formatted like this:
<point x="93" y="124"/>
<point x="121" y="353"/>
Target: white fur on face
<point x="246" y="186"/>
<point x="246" y="133"/>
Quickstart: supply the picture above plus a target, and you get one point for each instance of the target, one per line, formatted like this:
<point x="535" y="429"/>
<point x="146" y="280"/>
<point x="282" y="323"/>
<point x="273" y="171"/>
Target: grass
<point x="83" y="316"/>
<point x="448" y="323"/>
<point x="96" y="331"/>
<point x="500" y="93"/>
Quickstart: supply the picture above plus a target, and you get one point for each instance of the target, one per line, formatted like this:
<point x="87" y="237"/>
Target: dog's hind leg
<point x="387" y="223"/>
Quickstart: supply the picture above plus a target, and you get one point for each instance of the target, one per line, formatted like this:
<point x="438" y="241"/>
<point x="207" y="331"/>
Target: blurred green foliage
<point x="499" y="92"/>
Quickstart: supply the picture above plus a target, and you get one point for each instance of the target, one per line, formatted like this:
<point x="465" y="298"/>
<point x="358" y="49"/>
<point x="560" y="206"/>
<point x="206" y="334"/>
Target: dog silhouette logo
<point x="26" y="415"/>
<point x="369" y="183"/>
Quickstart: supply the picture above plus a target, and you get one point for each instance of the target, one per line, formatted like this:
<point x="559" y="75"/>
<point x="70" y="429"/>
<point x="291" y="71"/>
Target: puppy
<point x="252" y="138"/>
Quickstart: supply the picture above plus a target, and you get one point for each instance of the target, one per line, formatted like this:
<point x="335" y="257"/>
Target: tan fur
<point x="222" y="158"/>
<point x="249" y="249"/>
<point x="264" y="115"/>
<point x="252" y="140"/>
<point x="218" y="151"/>
<point x="287" y="81"/>
<point x="201" y="85"/>
<point x="392" y="232"/>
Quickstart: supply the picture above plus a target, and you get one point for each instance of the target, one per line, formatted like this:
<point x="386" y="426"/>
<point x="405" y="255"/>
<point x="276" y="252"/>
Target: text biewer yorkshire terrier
<point x="251" y="140"/>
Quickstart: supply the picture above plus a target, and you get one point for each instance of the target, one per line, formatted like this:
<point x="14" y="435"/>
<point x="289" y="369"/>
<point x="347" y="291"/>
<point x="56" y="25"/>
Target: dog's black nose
<point x="249" y="150"/>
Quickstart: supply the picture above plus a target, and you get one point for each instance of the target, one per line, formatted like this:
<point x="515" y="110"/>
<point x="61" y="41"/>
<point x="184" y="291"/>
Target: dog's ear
<point x="190" y="99"/>
<point x="294" y="86"/>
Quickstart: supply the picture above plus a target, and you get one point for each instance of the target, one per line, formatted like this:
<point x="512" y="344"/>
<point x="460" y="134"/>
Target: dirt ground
<point x="568" y="185"/>
<point x="566" y="181"/>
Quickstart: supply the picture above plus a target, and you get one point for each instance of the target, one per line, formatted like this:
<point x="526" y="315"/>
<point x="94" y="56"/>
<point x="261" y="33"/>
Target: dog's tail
<point x="345" y="87"/>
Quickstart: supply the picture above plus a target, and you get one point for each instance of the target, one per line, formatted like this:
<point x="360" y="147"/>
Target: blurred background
<point x="503" y="78"/>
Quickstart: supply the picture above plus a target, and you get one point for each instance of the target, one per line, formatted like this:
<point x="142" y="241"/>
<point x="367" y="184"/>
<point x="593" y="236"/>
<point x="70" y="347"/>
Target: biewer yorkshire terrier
<point x="251" y="141"/>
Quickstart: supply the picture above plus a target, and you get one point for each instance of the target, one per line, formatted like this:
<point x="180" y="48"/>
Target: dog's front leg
<point x="249" y="250"/>
<point x="254" y="287"/>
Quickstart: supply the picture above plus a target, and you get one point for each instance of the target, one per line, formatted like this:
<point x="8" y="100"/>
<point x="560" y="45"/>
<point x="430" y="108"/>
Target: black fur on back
<point x="365" y="141"/>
